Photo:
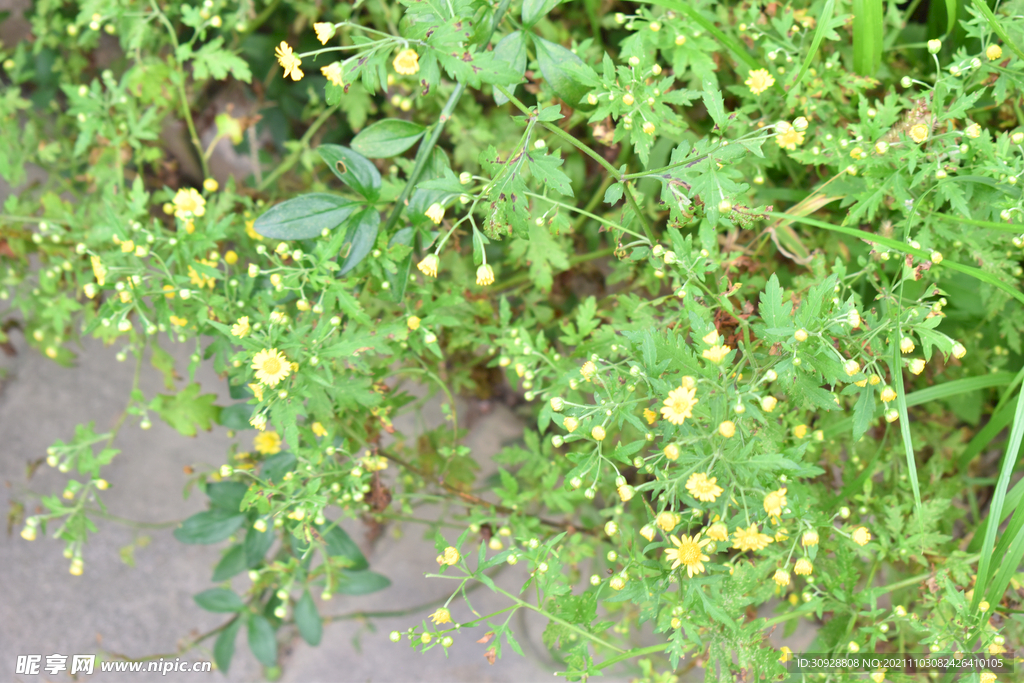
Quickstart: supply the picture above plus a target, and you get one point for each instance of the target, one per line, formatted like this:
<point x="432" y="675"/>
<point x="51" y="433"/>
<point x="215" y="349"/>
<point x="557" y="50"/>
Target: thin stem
<point x="294" y="157"/>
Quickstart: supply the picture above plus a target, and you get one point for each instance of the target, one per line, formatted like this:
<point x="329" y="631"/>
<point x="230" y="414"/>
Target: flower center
<point x="689" y="552"/>
<point x="272" y="366"/>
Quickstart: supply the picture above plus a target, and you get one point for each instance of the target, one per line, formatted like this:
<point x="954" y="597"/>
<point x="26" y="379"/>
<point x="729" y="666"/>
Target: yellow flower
<point x="267" y="443"/>
<point x="648" y="128"/>
<point x="288" y="61"/>
<point x="809" y="538"/>
<point x="917" y="366"/>
<point x="750" y="539"/>
<point x="861" y="535"/>
<point x="803" y="567"/>
<point x="407" y="62"/>
<point x="647" y="531"/>
<point x="774" y="501"/>
<point x="888" y="394"/>
<point x="627" y="99"/>
<point x="878" y="676"/>
<point x="788" y="137"/>
<point x="993" y="52"/>
<point x="188" y="203"/>
<point x="428" y="266"/>
<point x="318" y="429"/>
<point x="333" y="73"/>
<point x="702" y="488"/>
<point x="441" y="616"/>
<point x="201" y="279"/>
<point x="588" y="370"/>
<point x="718" y="532"/>
<point x="650" y="416"/>
<point x="667" y="521"/>
<point x="570" y="424"/>
<point x="919" y="133"/>
<point x="786" y="655"/>
<point x="434" y="212"/>
<point x="241" y="328"/>
<point x="77" y="566"/>
<point x="257" y="390"/>
<point x="972" y="131"/>
<point x="451" y="556"/>
<point x="484" y="275"/>
<point x="259" y="421"/>
<point x="180" y="322"/>
<point x="98" y="270"/>
<point x="727" y="428"/>
<point x="688" y="553"/>
<point x="716" y="354"/>
<point x="672" y="451"/>
<point x="987" y="677"/>
<point x="710" y="338"/>
<point x="626" y="493"/>
<point x="413" y="322"/>
<point x="781" y="577"/>
<point x="800" y="431"/>
<point x="759" y="80"/>
<point x="127" y="247"/>
<point x="679" y="405"/>
<point x="598" y="433"/>
<point x="271" y="367"/>
<point x="768" y="403"/>
<point x="324" y="31"/>
<point x="907" y="345"/>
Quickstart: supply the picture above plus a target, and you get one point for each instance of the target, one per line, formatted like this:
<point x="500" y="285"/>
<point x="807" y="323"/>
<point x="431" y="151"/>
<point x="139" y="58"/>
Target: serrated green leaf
<point x="553" y="59"/>
<point x="187" y="410"/>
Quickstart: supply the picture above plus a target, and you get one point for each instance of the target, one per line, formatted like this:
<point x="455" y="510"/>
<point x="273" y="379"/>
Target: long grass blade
<point x="901" y="406"/>
<point x="996" y="508"/>
<point x="1015" y="228"/>
<point x="896" y="245"/>
<point x="997" y="28"/>
<point x="1013" y="499"/>
<point x="819" y="35"/>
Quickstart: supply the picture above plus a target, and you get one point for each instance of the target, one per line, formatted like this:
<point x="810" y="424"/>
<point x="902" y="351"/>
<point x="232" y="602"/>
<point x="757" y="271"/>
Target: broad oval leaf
<point x="387" y="138"/>
<point x="362" y="233"/>
<point x="353" y="169"/>
<point x="232" y="563"/>
<point x="362" y="583"/>
<point x="227" y="495"/>
<point x="339" y="543"/>
<point x="236" y="416"/>
<point x="256" y="545"/>
<point x="261" y="640"/>
<point x="224" y="648"/>
<point x="219" y="600"/>
<point x="305" y="216"/>
<point x="512" y="50"/>
<point x="552" y="59"/>
<point x="534" y="10"/>
<point x="209" y="527"/>
<point x="308" y="620"/>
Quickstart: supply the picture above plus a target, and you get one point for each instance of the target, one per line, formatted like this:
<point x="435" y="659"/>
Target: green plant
<point x="750" y="393"/>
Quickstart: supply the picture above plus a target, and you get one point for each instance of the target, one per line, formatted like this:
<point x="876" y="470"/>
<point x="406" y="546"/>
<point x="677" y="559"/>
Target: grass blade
<point x="1015" y="228"/>
<point x="819" y="35"/>
<point x="997" y="28"/>
<point x="867" y="36"/>
<point x="901" y="406"/>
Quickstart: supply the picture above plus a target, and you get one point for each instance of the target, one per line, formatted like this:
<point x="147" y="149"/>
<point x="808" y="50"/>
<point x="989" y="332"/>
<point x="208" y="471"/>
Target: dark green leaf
<point x="227" y="495"/>
<point x="236" y="416"/>
<point x="339" y="543"/>
<point x="553" y="59"/>
<point x="275" y="467"/>
<point x="305" y="216"/>
<point x="261" y="640"/>
<point x="308" y="620"/>
<point x="362" y="583"/>
<point x="534" y="10"/>
<point x="353" y="169"/>
<point x="239" y="391"/>
<point x="714" y="103"/>
<point x="400" y="279"/>
<point x="362" y="233"/>
<point x="511" y="50"/>
<point x="209" y="527"/>
<point x="232" y="563"/>
<point x="224" y="648"/>
<point x="387" y="138"/>
<point x="256" y="546"/>
<point x="219" y="600"/>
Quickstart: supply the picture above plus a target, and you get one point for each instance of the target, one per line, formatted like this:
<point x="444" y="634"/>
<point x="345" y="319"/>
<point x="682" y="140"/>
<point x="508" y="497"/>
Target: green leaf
<point x="511" y="50"/>
<point x="212" y="60"/>
<point x="305" y="216"/>
<point x="353" y="169"/>
<point x="362" y="583"/>
<point x="387" y="138"/>
<point x="227" y="495"/>
<point x="340" y="544"/>
<point x="545" y="169"/>
<point x="715" y="105"/>
<point x="208" y="527"/>
<point x="534" y="10"/>
<point x="261" y="640"/>
<point x="219" y="600"/>
<point x="311" y="628"/>
<point x="694" y="14"/>
<point x="362" y="233"/>
<point x="824" y="27"/>
<point x="187" y="410"/>
<point x="164" y="363"/>
<point x="863" y="413"/>
<point x="553" y="60"/>
<point x="224" y="648"/>
<point x="256" y="545"/>
<point x="997" y="26"/>
<point x="236" y="416"/>
<point x="231" y="564"/>
<point x="868" y="35"/>
<point x="544" y="253"/>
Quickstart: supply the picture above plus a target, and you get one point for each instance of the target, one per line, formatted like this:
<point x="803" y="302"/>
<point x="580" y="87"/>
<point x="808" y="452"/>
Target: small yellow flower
<point x="800" y="431"/>
<point x="648" y="532"/>
<point x="428" y="266"/>
<point x="259" y="421"/>
<point x="919" y="133"/>
<point x="917" y="366"/>
<point x="626" y="493"/>
<point x="973" y="131"/>
<point x="231" y="257"/>
<point x="484" y="275"/>
<point x="650" y="416"/>
<point x="809" y="538"/>
<point x="993" y="52"/>
<point x="188" y="203"/>
<point x="98" y="270"/>
<point x="703" y="488"/>
<point x="570" y="424"/>
<point x="333" y="73"/>
<point x="435" y="212"/>
<point x="588" y="370"/>
<point x="861" y="535"/>
<point x="271" y="366"/>
<point x="77" y="566"/>
<point x="716" y="354"/>
<point x="180" y="322"/>
<point x="324" y="31"/>
<point x="851" y="367"/>
<point x="774" y="501"/>
<point x="407" y="62"/>
<point x="727" y="428"/>
<point x="878" y="677"/>
<point x="672" y="451"/>
<point x="627" y="99"/>
<point x="451" y="556"/>
<point x="959" y="350"/>
<point x="288" y="61"/>
<point x="211" y="185"/>
<point x="987" y="677"/>
<point x="241" y="328"/>
<point x="711" y="338"/>
<point x="888" y="394"/>
<point x="667" y="521"/>
<point x="786" y="654"/>
<point x="759" y="80"/>
<point x="679" y="405"/>
<point x="127" y="247"/>
<point x="787" y="136"/>
<point x="750" y="539"/>
<point x="319" y="429"/>
<point x="854" y="646"/>
<point x="648" y="128"/>
<point x="267" y="443"/>
<point x="688" y="553"/>
<point x="781" y="577"/>
<point x="768" y="403"/>
<point x="598" y="433"/>
<point x="28" y="533"/>
<point x="718" y="532"/>
<point x="413" y="322"/>
<point x="441" y="616"/>
<point x="803" y="567"/>
<point x="257" y="390"/>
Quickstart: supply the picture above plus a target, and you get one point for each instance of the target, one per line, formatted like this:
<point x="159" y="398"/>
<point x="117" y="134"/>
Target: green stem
<point x="630" y="655"/>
